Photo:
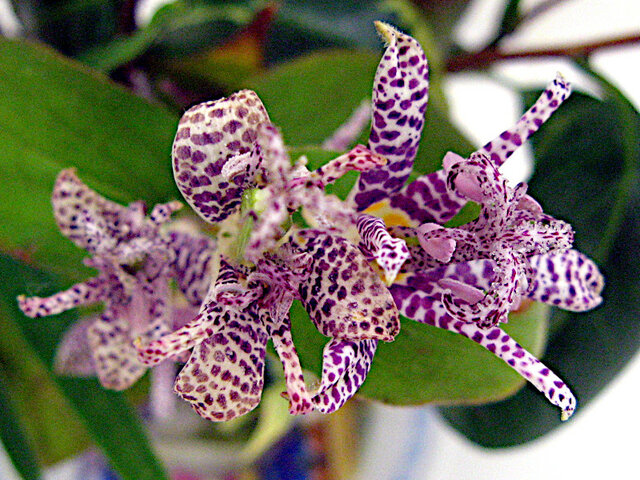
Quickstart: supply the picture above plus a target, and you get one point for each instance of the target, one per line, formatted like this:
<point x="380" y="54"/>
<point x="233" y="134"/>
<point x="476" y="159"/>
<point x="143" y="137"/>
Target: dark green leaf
<point x="54" y="114"/>
<point x="71" y="26"/>
<point x="14" y="441"/>
<point x="110" y="420"/>
<point x="587" y="170"/>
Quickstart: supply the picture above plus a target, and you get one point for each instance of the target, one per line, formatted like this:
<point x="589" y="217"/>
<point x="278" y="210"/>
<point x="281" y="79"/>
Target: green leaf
<point x="587" y="170"/>
<point x="108" y="417"/>
<point x="55" y="114"/>
<point x="13" y="439"/>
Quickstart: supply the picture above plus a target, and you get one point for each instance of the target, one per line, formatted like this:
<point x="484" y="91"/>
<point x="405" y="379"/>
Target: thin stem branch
<point x="489" y="56"/>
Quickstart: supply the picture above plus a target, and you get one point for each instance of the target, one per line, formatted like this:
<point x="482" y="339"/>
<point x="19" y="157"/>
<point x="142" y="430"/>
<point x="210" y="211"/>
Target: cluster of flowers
<point x="356" y="267"/>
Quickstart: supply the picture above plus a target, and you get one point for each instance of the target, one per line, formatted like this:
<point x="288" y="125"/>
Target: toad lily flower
<point x="467" y="279"/>
<point x="232" y="167"/>
<point x="136" y="260"/>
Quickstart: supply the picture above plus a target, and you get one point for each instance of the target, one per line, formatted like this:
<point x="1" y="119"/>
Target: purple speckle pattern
<point x="244" y="308"/>
<point x="390" y="253"/>
<point x="344" y="297"/>
<point x="345" y="366"/>
<point x="567" y="279"/>
<point x="501" y="148"/>
<point x="506" y="231"/>
<point x="400" y="94"/>
<point x="209" y="136"/>
<point x="134" y="259"/>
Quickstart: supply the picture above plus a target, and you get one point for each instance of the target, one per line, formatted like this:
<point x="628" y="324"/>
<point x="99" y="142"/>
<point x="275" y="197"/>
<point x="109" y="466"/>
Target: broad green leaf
<point x="13" y="439"/>
<point x="112" y="423"/>
<point x="55" y="114"/>
<point x="587" y="170"/>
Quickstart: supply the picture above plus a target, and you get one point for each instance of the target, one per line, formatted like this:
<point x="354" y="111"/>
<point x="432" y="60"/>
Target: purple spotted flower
<point x="232" y="167"/>
<point x="468" y="279"/>
<point x="136" y="259"/>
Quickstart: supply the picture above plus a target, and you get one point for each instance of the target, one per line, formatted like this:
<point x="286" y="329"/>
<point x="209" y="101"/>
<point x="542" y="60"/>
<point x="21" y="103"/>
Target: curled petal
<point x="350" y="130"/>
<point x="400" y="94"/>
<point x="223" y="378"/>
<point x="501" y="148"/>
<point x="569" y="280"/>
<point x="477" y="179"/>
<point x="440" y="248"/>
<point x="209" y="135"/>
<point x="345" y="366"/>
<point x="390" y="253"/>
<point x="81" y="294"/>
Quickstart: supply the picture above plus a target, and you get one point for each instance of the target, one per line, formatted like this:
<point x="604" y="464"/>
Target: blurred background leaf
<point x="14" y="440"/>
<point x="587" y="167"/>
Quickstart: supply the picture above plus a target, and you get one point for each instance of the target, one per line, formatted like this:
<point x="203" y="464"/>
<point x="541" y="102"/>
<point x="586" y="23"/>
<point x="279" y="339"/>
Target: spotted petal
<point x="400" y="94"/>
<point x="191" y="261"/>
<point x="501" y="148"/>
<point x="569" y="280"/>
<point x="210" y="135"/>
<point x="72" y="201"/>
<point x="345" y="366"/>
<point x="114" y="354"/>
<point x="225" y="373"/>
<point x="81" y="294"/>
<point x="344" y="297"/>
